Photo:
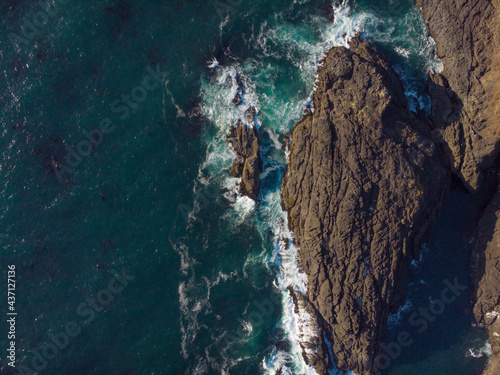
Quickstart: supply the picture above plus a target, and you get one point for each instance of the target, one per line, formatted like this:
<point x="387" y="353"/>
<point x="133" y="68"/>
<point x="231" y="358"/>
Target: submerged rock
<point x="238" y="99"/>
<point x="240" y="92"/>
<point x="362" y="187"/>
<point x="245" y="142"/>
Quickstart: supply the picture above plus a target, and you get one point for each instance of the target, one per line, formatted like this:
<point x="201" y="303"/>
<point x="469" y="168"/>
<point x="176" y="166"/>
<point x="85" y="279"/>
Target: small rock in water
<point x="308" y="110"/>
<point x="229" y="82"/>
<point x="328" y="11"/>
<point x="238" y="99"/>
<point x="250" y="115"/>
<point x="246" y="165"/>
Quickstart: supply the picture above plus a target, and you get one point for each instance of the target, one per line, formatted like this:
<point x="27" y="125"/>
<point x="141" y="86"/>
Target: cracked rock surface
<point x="363" y="184"/>
<point x="245" y="142"/>
<point x="466" y="96"/>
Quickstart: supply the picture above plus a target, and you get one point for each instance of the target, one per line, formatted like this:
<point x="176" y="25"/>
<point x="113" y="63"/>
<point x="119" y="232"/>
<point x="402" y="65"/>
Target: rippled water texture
<point x="151" y="197"/>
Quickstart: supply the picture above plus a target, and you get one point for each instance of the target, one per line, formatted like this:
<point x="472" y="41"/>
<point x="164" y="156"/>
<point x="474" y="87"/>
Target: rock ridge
<point x="466" y="95"/>
<point x="364" y="181"/>
<point x="245" y="142"/>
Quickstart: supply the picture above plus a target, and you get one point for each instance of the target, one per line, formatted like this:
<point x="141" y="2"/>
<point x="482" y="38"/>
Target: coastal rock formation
<point x="466" y="115"/>
<point x="466" y="96"/>
<point x="245" y="142"/>
<point x="240" y="92"/>
<point x="362" y="186"/>
<point x="310" y="337"/>
<point x="487" y="276"/>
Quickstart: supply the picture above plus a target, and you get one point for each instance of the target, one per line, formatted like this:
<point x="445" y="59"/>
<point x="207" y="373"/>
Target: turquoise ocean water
<point x="205" y="285"/>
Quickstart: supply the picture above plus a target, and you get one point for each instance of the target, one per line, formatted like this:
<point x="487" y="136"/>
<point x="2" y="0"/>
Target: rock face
<point x="466" y="115"/>
<point x="362" y="186"/>
<point x="245" y="142"/>
<point x="487" y="276"/>
<point x="466" y="96"/>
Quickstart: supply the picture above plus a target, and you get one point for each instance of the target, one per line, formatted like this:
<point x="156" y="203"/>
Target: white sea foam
<point x="402" y="51"/>
<point x="194" y="299"/>
<point x="213" y="63"/>
<point x="243" y="207"/>
<point x="479" y="350"/>
<point x="299" y="325"/>
<point x="194" y="294"/>
<point x="217" y="94"/>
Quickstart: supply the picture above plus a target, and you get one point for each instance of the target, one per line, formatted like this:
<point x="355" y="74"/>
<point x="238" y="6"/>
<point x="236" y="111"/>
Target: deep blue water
<point x="206" y="285"/>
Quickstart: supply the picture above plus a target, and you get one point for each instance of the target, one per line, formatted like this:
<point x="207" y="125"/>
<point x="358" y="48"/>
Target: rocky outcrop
<point x="245" y="142"/>
<point x="486" y="257"/>
<point x="310" y="336"/>
<point x="466" y="117"/>
<point x="466" y="96"/>
<point x="362" y="186"/>
<point x="240" y="91"/>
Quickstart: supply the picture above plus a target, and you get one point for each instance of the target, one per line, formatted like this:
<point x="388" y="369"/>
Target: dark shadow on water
<point x="442" y="346"/>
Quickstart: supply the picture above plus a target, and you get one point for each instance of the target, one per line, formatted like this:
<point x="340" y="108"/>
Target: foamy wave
<point x="194" y="299"/>
<point x="194" y="295"/>
<point x="479" y="351"/>
<point x="218" y="95"/>
<point x="212" y="64"/>
<point x="298" y="324"/>
<point x="242" y="207"/>
<point x="402" y="51"/>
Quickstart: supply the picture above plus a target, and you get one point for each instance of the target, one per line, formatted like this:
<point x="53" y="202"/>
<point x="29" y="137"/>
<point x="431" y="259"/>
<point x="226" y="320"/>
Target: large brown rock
<point x="362" y="186"/>
<point x="245" y="142"/>
<point x="466" y="96"/>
